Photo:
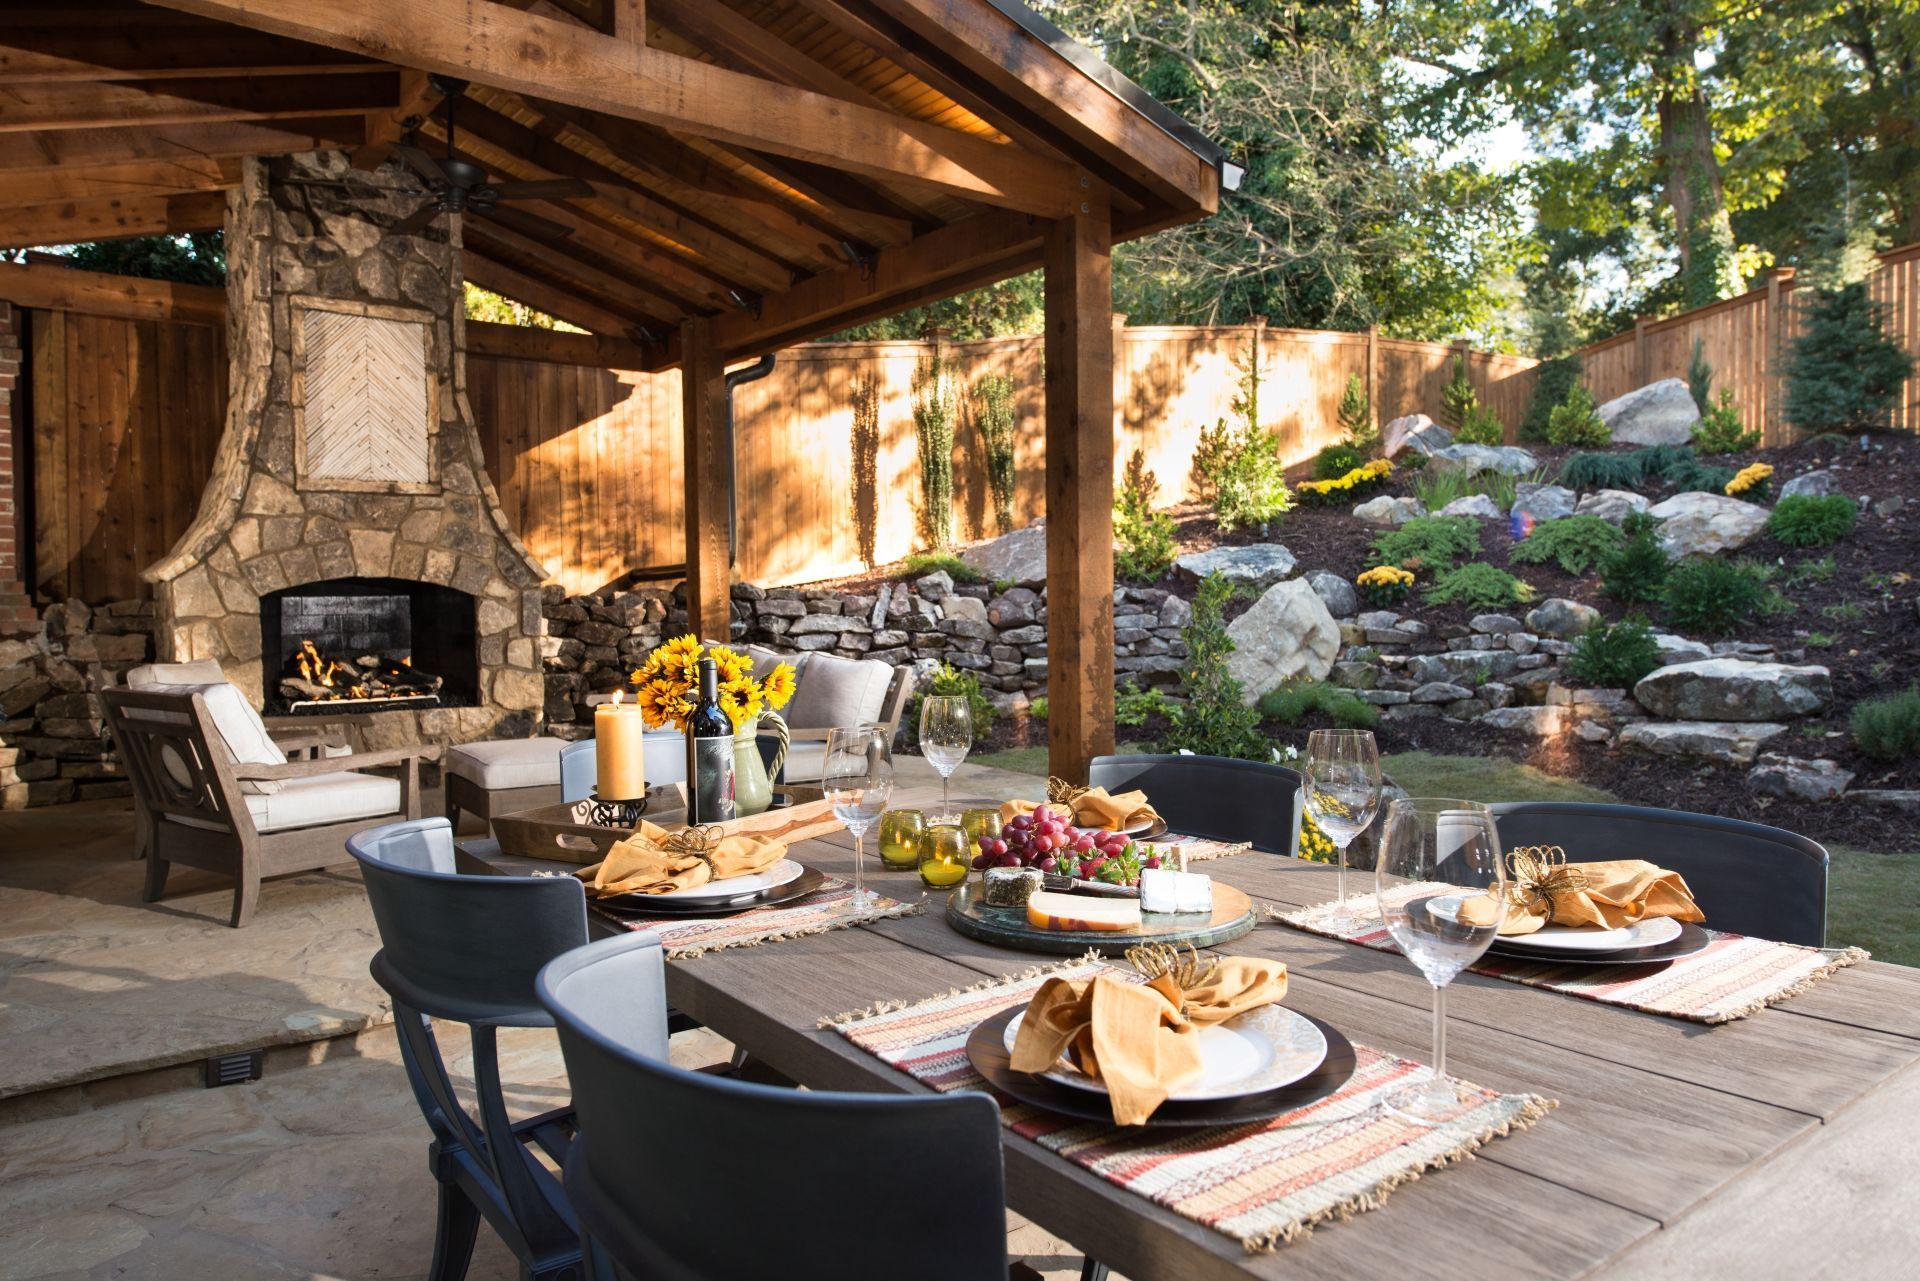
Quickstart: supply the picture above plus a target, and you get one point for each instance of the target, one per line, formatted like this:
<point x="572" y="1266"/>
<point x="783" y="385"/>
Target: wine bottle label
<point x="711" y="785"/>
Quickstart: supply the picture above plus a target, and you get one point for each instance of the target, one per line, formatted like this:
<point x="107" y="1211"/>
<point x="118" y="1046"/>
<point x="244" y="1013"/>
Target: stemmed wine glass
<point x="857" y="778"/>
<point x="946" y="735"/>
<point x="1451" y="851"/>
<point x="1342" y="790"/>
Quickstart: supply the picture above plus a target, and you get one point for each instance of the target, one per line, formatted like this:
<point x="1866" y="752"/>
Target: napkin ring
<point x="1539" y="873"/>
<point x="697" y="841"/>
<point x="1157" y="960"/>
<point x="1061" y="792"/>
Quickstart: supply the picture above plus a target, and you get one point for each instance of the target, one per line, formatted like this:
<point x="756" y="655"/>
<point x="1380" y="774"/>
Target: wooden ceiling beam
<point x="71" y="222"/>
<point x="92" y="105"/>
<point x="574" y="262"/>
<point x="663" y="273"/>
<point x="416" y="101"/>
<point x="554" y="346"/>
<point x="547" y="58"/>
<point x="97" y="293"/>
<point x="512" y="282"/>
<point x="172" y="146"/>
<point x="140" y="178"/>
<point x="152" y="45"/>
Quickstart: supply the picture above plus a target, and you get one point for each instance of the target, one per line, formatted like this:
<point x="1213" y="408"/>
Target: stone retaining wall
<point x="54" y="745"/>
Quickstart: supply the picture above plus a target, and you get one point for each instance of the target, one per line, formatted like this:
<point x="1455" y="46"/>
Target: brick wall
<point x="17" y="615"/>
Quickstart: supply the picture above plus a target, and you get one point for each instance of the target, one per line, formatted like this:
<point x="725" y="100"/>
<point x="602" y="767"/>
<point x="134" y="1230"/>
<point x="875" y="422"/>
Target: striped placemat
<point x="828" y="908"/>
<point x="1197" y="850"/>
<point x="1734" y="977"/>
<point x="1264" y="1183"/>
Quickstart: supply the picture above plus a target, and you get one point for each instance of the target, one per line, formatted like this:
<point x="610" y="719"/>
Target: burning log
<point x="315" y="678"/>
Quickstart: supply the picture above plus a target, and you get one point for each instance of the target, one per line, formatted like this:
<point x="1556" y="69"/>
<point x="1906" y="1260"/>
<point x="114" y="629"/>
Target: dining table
<point x="1657" y="1118"/>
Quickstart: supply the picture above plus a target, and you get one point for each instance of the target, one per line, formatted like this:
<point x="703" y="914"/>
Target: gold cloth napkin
<point x="656" y="861"/>
<point x="1138" y="1037"/>
<point x="1093" y="807"/>
<point x="1547" y="890"/>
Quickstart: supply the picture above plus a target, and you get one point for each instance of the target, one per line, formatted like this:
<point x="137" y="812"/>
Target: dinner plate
<point x="781" y="873"/>
<point x="987" y="1052"/>
<point x="1690" y="940"/>
<point x="666" y="906"/>
<point x="1586" y="939"/>
<point x="1146" y="829"/>
<point x="1251" y="1053"/>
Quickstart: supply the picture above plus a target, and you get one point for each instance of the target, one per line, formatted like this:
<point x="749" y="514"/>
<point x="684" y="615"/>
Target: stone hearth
<point x="349" y="449"/>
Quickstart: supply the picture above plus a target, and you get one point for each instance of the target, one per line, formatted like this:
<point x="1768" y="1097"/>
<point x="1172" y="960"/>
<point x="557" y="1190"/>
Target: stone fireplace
<point x="350" y="505"/>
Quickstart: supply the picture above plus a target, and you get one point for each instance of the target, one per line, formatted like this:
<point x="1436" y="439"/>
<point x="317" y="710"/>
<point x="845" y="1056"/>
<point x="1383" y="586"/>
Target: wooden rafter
<point x="492" y="43"/>
<point x="151" y="45"/>
<point x="511" y="282"/>
<point x="575" y="263"/>
<point x="92" y="105"/>
<point x="172" y="146"/>
<point x="415" y="100"/>
<point x="92" y="182"/>
<point x="553" y="346"/>
<point x="70" y="222"/>
<point x="63" y="289"/>
<point x="659" y="272"/>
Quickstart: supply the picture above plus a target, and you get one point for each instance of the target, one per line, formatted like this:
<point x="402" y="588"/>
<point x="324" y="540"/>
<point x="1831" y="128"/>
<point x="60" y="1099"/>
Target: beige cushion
<point x="241" y="729"/>
<point x="508" y="763"/>
<point x="838" y="691"/>
<point x="318" y="799"/>
<point x="804" y="761"/>
<point x="765" y="660"/>
<point x="158" y="676"/>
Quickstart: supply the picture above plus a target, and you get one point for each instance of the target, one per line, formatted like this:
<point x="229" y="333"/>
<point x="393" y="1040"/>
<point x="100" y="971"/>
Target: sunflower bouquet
<point x="668" y="683"/>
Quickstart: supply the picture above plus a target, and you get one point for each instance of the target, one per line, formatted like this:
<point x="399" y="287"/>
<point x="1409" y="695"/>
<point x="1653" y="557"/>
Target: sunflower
<point x="778" y="685"/>
<point x="741" y="703"/>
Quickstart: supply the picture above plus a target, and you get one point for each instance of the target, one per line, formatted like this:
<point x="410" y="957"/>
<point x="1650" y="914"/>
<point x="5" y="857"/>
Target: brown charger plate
<point x="1692" y="939"/>
<point x="653" y="905"/>
<point x="987" y="1051"/>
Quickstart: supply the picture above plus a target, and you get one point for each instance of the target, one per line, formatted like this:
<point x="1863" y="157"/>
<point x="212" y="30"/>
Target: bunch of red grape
<point x="1048" y="840"/>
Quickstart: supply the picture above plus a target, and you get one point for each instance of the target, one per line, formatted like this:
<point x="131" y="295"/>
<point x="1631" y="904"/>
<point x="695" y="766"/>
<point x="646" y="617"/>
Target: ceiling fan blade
<point x="543" y="189"/>
<point x="417" y="221"/>
<point x="421" y="163"/>
<point x="527" y="224"/>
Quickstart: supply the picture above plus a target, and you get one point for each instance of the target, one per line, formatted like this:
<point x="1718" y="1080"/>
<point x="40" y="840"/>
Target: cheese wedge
<point x="1048" y="910"/>
<point x="1164" y="890"/>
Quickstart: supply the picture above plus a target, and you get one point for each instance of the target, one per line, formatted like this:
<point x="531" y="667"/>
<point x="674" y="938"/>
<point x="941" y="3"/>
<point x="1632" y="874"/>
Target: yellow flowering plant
<point x="668" y="683"/>
<point x="1384" y="584"/>
<point x="1352" y="485"/>
<point x="1750" y="482"/>
<point x="1315" y="845"/>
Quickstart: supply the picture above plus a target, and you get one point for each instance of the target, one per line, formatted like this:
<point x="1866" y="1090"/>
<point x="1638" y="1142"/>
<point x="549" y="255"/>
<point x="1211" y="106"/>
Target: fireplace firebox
<point x="368" y="644"/>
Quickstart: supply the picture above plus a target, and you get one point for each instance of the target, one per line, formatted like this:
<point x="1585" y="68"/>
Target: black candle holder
<point x="610" y="813"/>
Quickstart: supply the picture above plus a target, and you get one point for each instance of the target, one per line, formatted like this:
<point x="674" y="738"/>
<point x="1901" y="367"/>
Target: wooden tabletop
<point x="1657" y="1115"/>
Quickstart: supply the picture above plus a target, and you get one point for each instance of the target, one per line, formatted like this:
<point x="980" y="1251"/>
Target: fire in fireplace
<point x="368" y="644"/>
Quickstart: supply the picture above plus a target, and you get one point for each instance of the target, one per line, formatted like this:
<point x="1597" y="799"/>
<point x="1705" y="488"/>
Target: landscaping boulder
<point x="1542" y="502"/>
<point x="1678" y="649"/>
<point x="1707" y="524"/>
<point x="1508" y="460"/>
<point x="1335" y="592"/>
<point x="1476" y="505"/>
<point x="1441" y="692"/>
<point x="1733" y="689"/>
<point x="1287" y="634"/>
<point x="1900" y="798"/>
<point x="1661" y="413"/>
<point x="1495" y="624"/>
<point x="1388" y="510"/>
<point x="1558" y="616"/>
<point x="1260" y="565"/>
<point x="1813" y="484"/>
<point x="935" y="587"/>
<point x="1723" y="742"/>
<point x="1541" y="722"/>
<point x="1793" y="779"/>
<point x="1413" y="431"/>
<point x="1019" y="558"/>
<point x="1611" y="505"/>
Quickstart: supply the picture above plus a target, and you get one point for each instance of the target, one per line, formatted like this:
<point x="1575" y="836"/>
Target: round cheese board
<point x="967" y="912"/>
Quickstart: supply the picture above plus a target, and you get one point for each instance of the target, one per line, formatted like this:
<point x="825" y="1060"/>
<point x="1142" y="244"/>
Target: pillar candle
<point x="620" y="750"/>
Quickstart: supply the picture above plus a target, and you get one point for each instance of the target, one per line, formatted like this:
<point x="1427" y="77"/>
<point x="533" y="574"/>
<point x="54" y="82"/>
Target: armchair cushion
<point x="241" y="729"/>
<point x="839" y="691"/>
<point x="806" y="758"/>
<point x="507" y="763"/>
<point x="160" y="676"/>
<point x="317" y="799"/>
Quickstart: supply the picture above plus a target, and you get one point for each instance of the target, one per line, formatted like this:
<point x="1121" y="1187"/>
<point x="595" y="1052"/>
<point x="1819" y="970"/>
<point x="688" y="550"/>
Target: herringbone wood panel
<point x="366" y="398"/>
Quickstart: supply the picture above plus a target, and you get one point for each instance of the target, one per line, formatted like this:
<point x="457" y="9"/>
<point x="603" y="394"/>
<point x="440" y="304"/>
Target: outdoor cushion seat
<point x="241" y="729"/>
<point x="161" y="675"/>
<point x="507" y="762"/>
<point x="838" y="691"/>
<point x="317" y="799"/>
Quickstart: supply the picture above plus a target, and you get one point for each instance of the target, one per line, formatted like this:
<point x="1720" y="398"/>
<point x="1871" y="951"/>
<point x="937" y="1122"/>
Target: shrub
<point x="1335" y="461"/>
<point x="1750" y="483"/>
<point x="1214" y="721"/>
<point x="1355" y="415"/>
<point x="993" y="417"/>
<point x="1551" y="383"/>
<point x="1700" y="378"/>
<point x="1479" y="586"/>
<point x="1691" y="476"/>
<point x="1297" y="699"/>
<point x="1631" y="470"/>
<point x="865" y="444"/>
<point x="1888" y="729"/>
<point x="1458" y="396"/>
<point x="1481" y="427"/>
<point x="1143" y="538"/>
<point x="1614" y="655"/>
<point x="1358" y="482"/>
<point x="1573" y="421"/>
<point x="1132" y="705"/>
<point x="936" y="398"/>
<point x="1844" y="373"/>
<point x="1210" y="455"/>
<point x="952" y="682"/>
<point x="1711" y="597"/>
<point x="1436" y="490"/>
<point x="1252" y="488"/>
<point x="1719" y="430"/>
<point x="1807" y="520"/>
<point x="921" y="563"/>
<point x="1384" y="585"/>
<point x="1575" y="543"/>
<point x="1637" y="571"/>
<point x="1427" y="542"/>
<point x="1037" y="707"/>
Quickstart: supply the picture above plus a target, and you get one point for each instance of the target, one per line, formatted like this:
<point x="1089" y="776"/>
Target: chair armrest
<point x="289" y="742"/>
<point x="336" y="764"/>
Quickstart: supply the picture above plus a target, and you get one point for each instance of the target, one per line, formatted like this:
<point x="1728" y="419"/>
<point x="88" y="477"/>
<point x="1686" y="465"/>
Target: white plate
<point x="1251" y="1053"/>
<point x="781" y="873"/>
<point x="1133" y="829"/>
<point x="1651" y="932"/>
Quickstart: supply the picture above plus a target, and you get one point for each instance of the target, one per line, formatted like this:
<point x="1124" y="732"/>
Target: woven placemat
<point x="828" y="908"/>
<point x="1198" y="850"/>
<point x="1734" y="977"/>
<point x="1263" y="1183"/>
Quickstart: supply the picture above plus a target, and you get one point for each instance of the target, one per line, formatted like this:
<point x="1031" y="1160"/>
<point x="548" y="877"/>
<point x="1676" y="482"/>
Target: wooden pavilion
<point x="761" y="172"/>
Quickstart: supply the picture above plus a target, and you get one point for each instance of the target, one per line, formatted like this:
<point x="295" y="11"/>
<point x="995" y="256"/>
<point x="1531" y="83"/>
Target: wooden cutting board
<point x="562" y="832"/>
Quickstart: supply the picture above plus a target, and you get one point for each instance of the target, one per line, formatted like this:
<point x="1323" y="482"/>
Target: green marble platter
<point x="1007" y="926"/>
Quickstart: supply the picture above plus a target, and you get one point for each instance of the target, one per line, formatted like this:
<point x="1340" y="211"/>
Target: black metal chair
<point x="681" y="1176"/>
<point x="1747" y="877"/>
<point x="467" y="949"/>
<point x="1214" y="797"/>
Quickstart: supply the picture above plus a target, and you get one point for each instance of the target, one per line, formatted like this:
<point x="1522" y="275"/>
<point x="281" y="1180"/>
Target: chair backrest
<point x="456" y="946"/>
<point x="689" y="1177"/>
<point x="1748" y="878"/>
<point x="1215" y="797"/>
<point x="839" y="691"/>
<point x="579" y="770"/>
<point x="180" y="767"/>
<point x="154" y="676"/>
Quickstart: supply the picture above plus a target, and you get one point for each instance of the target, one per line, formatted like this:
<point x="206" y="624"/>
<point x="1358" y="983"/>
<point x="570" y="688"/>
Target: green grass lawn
<point x="1873" y="899"/>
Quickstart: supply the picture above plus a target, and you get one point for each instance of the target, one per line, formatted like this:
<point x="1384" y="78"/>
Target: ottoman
<point x="501" y="777"/>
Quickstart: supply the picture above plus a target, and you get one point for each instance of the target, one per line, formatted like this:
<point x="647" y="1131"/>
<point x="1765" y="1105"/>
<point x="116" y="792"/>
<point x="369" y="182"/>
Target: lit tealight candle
<point x="620" y="752"/>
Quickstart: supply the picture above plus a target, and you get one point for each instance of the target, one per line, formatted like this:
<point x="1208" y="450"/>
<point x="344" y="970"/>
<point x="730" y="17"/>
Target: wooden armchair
<point x="831" y="692"/>
<point x="211" y="796"/>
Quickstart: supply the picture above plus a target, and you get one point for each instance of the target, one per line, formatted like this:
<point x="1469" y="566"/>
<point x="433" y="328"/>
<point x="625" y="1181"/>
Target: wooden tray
<point x="1007" y="926"/>
<point x="561" y="832"/>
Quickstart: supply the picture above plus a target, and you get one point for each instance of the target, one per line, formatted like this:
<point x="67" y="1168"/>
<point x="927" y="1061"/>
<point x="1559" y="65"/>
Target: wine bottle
<point x="709" y="753"/>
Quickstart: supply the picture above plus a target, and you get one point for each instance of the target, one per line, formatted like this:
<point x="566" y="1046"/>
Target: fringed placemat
<point x="1734" y="977"/>
<point x="1197" y="850"/>
<point x="828" y="908"/>
<point x="1264" y="1183"/>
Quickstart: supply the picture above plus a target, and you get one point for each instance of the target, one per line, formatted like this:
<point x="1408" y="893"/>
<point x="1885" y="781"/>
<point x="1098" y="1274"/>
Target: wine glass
<point x="1341" y="784"/>
<point x="1442" y="890"/>
<point x="857" y="778"/>
<point x="946" y="735"/>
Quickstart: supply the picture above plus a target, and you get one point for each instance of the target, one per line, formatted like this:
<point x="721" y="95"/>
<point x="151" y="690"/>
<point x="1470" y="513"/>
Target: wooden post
<point x="1373" y="375"/>
<point x="1079" y="386"/>
<point x="709" y="475"/>
<point x="1779" y="284"/>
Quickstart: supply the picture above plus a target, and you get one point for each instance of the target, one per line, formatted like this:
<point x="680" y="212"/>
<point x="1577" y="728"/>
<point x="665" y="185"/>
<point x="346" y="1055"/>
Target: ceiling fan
<point x="457" y="186"/>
